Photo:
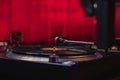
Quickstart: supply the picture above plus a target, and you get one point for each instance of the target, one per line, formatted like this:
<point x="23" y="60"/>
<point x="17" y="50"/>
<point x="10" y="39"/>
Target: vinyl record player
<point x="58" y="62"/>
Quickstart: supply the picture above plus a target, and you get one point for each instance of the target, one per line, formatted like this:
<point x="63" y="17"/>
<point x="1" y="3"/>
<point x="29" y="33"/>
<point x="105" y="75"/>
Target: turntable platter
<point x="43" y="53"/>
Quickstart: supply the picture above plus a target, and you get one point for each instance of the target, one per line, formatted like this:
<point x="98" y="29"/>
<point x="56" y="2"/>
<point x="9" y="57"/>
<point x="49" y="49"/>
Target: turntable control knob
<point x="54" y="58"/>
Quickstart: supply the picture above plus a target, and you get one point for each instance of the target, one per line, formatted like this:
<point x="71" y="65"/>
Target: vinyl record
<point x="47" y="51"/>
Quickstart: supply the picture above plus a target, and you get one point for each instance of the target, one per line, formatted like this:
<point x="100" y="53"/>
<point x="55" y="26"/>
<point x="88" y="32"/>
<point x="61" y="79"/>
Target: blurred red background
<point x="42" y="20"/>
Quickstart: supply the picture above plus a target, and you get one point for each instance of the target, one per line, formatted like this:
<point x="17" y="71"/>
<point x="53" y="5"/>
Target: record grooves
<point x="47" y="51"/>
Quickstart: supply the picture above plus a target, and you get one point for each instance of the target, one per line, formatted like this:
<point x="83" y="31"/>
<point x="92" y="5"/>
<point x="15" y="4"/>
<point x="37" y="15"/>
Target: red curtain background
<point x="42" y="20"/>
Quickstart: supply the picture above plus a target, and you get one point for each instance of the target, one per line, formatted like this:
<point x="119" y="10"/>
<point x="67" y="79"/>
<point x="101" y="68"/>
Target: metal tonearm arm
<point x="60" y="39"/>
<point x="79" y="42"/>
